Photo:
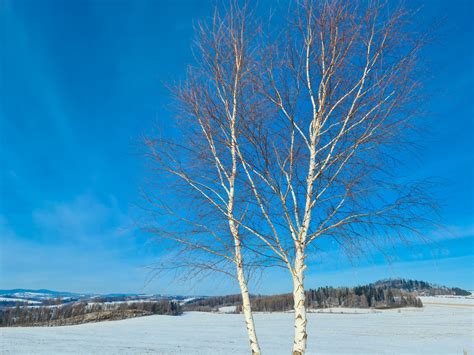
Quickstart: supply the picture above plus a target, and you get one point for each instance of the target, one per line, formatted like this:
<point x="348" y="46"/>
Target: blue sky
<point x="81" y="81"/>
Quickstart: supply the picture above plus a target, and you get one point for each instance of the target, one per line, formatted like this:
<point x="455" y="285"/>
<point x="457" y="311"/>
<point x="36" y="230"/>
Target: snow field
<point x="434" y="329"/>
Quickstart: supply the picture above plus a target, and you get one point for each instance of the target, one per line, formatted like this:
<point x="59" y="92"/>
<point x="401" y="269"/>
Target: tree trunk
<point x="299" y="343"/>
<point x="247" y="310"/>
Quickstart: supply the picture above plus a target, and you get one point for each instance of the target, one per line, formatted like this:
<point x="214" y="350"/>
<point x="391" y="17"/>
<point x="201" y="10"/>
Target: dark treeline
<point x="83" y="312"/>
<point x="210" y="304"/>
<point x="323" y="297"/>
<point x="420" y="287"/>
<point x="388" y="293"/>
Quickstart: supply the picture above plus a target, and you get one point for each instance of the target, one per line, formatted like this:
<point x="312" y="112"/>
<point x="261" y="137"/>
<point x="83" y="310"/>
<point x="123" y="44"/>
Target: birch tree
<point x="341" y="87"/>
<point x="291" y="135"/>
<point x="202" y="163"/>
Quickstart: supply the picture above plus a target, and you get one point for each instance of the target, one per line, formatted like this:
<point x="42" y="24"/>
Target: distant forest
<point x="421" y="288"/>
<point x="390" y="293"/>
<point x="83" y="312"/>
<point x="323" y="297"/>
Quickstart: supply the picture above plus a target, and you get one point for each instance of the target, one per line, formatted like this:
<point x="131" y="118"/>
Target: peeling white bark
<point x="247" y="311"/>
<point x="246" y="307"/>
<point x="300" y="337"/>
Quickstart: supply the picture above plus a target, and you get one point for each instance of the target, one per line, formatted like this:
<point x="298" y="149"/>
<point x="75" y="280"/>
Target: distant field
<point x="438" y="328"/>
<point x="454" y="301"/>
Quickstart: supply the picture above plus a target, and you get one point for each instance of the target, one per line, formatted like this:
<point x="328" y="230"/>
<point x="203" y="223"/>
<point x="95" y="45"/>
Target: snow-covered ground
<point x="227" y="309"/>
<point x="440" y="327"/>
<point x="12" y="299"/>
<point x="454" y="300"/>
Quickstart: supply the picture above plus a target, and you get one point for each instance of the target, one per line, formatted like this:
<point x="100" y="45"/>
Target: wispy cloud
<point x="83" y="245"/>
<point x="84" y="219"/>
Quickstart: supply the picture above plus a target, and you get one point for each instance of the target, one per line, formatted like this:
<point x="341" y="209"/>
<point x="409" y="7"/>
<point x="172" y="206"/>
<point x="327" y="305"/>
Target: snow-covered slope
<point x="435" y="329"/>
<point x="454" y="300"/>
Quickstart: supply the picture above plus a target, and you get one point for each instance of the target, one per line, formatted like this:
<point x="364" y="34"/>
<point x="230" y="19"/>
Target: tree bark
<point x="300" y="337"/>
<point x="246" y="308"/>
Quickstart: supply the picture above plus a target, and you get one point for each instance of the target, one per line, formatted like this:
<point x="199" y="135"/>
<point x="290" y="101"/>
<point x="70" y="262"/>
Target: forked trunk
<point x="299" y="343"/>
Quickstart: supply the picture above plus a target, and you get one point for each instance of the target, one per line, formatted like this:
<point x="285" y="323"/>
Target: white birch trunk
<point x="299" y="343"/>
<point x="247" y="311"/>
<point x="246" y="307"/>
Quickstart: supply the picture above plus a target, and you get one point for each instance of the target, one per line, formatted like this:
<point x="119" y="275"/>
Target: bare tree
<point x="203" y="161"/>
<point x="341" y="85"/>
<point x="294" y="135"/>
